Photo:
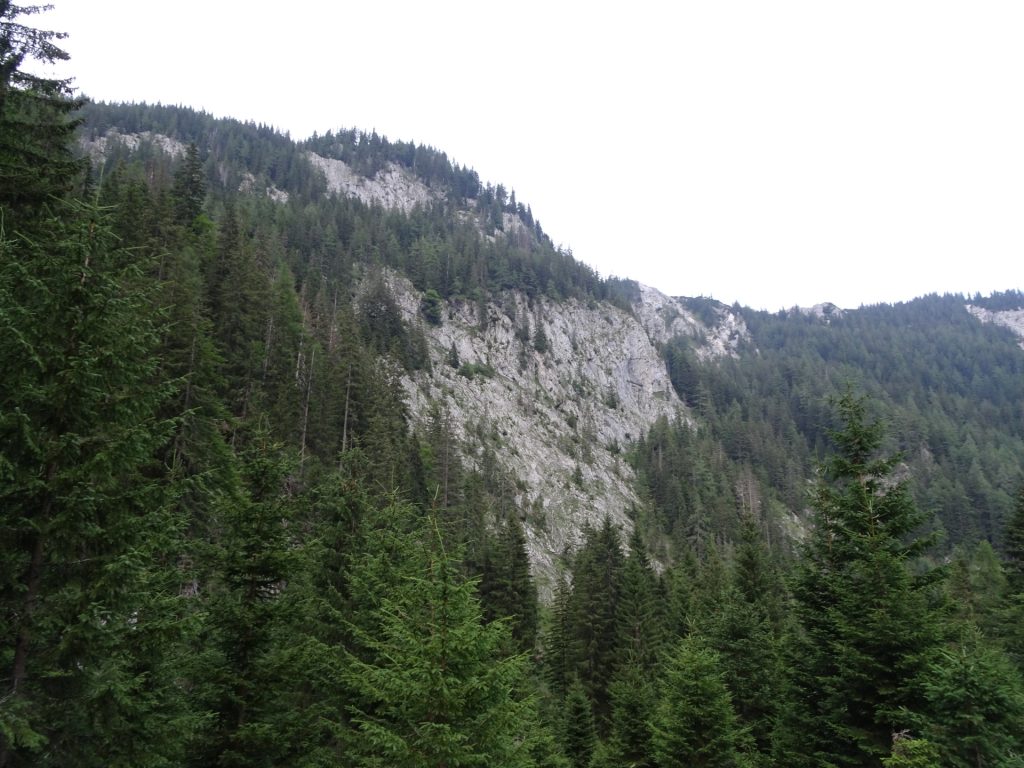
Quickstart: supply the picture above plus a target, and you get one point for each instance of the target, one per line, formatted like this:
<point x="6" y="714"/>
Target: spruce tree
<point x="36" y="123"/>
<point x="87" y="567"/>
<point x="559" y="645"/>
<point x="594" y="609"/>
<point x="1013" y="546"/>
<point x="908" y="752"/>
<point x="641" y="617"/>
<point x="243" y="672"/>
<point x="633" y="697"/>
<point x="506" y="586"/>
<point x="973" y="704"/>
<point x="866" y="610"/>
<point x="189" y="191"/>
<point x="428" y="682"/>
<point x="578" y="735"/>
<point x="694" y="725"/>
<point x="751" y="666"/>
<point x="744" y="633"/>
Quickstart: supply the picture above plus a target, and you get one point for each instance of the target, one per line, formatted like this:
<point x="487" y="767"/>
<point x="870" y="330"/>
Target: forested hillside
<point x="226" y="540"/>
<point x="949" y="386"/>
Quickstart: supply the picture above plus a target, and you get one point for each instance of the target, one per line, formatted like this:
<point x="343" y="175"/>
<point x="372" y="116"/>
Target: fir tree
<point x="427" y="679"/>
<point x="1013" y="546"/>
<point x="751" y="666"/>
<point x="594" y="609"/>
<point x="579" y="738"/>
<point x="506" y="587"/>
<point x="85" y="573"/>
<point x="641" y="621"/>
<point x="866" y="620"/>
<point x="36" y="126"/>
<point x="559" y="646"/>
<point x="633" y="698"/>
<point x="189" y="191"/>
<point x="694" y="724"/>
<point x="908" y="752"/>
<point x="973" y="704"/>
<point x="242" y="673"/>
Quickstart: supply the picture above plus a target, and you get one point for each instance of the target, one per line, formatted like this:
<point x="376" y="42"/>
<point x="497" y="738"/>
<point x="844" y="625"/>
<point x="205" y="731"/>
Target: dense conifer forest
<point x="223" y="542"/>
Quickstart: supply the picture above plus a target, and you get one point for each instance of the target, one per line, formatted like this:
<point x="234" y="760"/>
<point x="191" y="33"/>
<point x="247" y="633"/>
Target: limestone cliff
<point x="1008" y="318"/>
<point x="561" y="418"/>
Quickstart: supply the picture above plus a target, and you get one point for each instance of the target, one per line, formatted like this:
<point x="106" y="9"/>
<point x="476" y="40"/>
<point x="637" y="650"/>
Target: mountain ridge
<point x="568" y="454"/>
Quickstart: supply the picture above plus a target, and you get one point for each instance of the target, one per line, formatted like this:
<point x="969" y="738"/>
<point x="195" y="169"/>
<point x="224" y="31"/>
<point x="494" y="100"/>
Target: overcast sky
<point x="771" y="153"/>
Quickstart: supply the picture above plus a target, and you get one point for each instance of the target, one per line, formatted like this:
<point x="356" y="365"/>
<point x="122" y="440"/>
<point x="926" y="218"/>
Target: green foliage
<point x="1013" y="545"/>
<point x="947" y="382"/>
<point x="506" y="587"/>
<point x="594" y="605"/>
<point x="579" y="739"/>
<point x="86" y="587"/>
<point x="694" y="723"/>
<point x="430" y="307"/>
<point x="706" y="309"/>
<point x="237" y="570"/>
<point x="974" y="700"/>
<point x="472" y="370"/>
<point x="751" y="664"/>
<point x="866" y="619"/>
<point x="453" y="357"/>
<point x="633" y="697"/>
<point x="641" y="615"/>
<point x="540" y="339"/>
<point x="36" y="123"/>
<point x="689" y="484"/>
<point x="189" y="190"/>
<point x="428" y="684"/>
<point x="912" y="753"/>
<point x="384" y="331"/>
<point x="251" y="653"/>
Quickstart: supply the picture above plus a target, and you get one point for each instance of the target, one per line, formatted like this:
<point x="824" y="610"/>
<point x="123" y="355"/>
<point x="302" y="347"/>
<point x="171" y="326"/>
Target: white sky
<point x="771" y="153"/>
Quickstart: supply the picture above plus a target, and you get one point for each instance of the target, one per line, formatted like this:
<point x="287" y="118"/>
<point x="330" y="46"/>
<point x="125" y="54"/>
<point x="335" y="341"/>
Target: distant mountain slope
<point x="950" y="386"/>
<point x="578" y="387"/>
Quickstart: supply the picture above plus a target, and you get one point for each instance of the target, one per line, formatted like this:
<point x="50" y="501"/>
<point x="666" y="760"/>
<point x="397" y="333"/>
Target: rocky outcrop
<point x="1008" y="318"/>
<point x="393" y="187"/>
<point x="250" y="185"/>
<point x="98" y="147"/>
<point x="665" y="317"/>
<point x="825" y="312"/>
<point x="559" y="419"/>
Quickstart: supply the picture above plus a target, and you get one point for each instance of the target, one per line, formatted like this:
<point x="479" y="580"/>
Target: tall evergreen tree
<point x="506" y="586"/>
<point x="641" y="617"/>
<point x="85" y="520"/>
<point x="559" y="647"/>
<point x="866" y="619"/>
<point x="974" y="705"/>
<point x="1013" y="546"/>
<point x="751" y="666"/>
<point x="429" y="682"/>
<point x="189" y="191"/>
<point x="242" y="673"/>
<point x="908" y="752"/>
<point x="594" y="608"/>
<point x="633" y="697"/>
<point x="744" y="631"/>
<point x="578" y="735"/>
<point x="694" y="724"/>
<point x="36" y="124"/>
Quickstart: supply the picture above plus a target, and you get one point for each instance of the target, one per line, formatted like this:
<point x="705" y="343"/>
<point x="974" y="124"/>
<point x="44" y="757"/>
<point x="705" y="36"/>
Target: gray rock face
<point x="1009" y="318"/>
<point x="392" y="187"/>
<point x="98" y="148"/>
<point x="561" y="418"/>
